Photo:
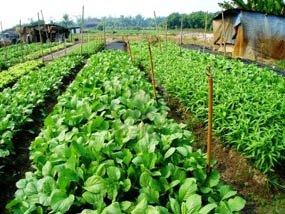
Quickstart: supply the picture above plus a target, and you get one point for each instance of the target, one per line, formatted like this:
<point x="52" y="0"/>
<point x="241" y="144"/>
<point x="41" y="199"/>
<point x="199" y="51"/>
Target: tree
<point x="275" y="7"/>
<point x="66" y="21"/>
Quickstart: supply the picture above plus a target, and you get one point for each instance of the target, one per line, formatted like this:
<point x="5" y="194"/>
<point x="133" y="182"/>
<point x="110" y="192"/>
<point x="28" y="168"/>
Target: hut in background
<point x="52" y="32"/>
<point x="249" y="34"/>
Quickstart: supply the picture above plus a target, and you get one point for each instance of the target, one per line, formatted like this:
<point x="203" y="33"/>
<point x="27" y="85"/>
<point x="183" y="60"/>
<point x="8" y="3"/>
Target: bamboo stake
<point x="210" y="118"/>
<point x="166" y="37"/>
<point x="157" y="30"/>
<point x="88" y="42"/>
<point x="6" y="51"/>
<point x="81" y="31"/>
<point x="130" y="51"/>
<point x="224" y="40"/>
<point x="48" y="39"/>
<point x="205" y="32"/>
<point x="181" y="35"/>
<point x="22" y="50"/>
<point x="152" y="71"/>
<point x="41" y="39"/>
<point x="104" y="28"/>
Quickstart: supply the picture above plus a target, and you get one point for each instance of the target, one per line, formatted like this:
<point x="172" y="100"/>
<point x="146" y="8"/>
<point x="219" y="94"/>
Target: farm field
<point x="104" y="145"/>
<point x="103" y="149"/>
<point x="15" y="54"/>
<point x="249" y="102"/>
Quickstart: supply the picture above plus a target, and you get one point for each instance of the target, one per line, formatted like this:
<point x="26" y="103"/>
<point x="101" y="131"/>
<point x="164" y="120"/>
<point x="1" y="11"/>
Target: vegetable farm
<point x="96" y="133"/>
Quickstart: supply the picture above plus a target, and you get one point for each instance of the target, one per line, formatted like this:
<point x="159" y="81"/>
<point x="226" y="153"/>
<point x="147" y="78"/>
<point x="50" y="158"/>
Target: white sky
<point x="11" y="11"/>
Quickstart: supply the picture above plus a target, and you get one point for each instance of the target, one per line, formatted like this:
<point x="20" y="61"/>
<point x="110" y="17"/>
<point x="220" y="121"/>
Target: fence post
<point x="210" y="117"/>
<point x="152" y="72"/>
<point x="166" y="37"/>
<point x="22" y="50"/>
<point x="48" y="39"/>
<point x="130" y="51"/>
<point x="104" y="28"/>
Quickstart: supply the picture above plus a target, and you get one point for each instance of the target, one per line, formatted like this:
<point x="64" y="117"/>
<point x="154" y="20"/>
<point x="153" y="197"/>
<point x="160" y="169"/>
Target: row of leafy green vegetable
<point x="23" y="52"/>
<point x="16" y="71"/>
<point x="88" y="48"/>
<point x="17" y="103"/>
<point x="249" y="102"/>
<point x="109" y="148"/>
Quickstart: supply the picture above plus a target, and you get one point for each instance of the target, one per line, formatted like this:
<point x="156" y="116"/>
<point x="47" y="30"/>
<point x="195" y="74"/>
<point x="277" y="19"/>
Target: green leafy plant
<point x="108" y="147"/>
<point x="249" y="102"/>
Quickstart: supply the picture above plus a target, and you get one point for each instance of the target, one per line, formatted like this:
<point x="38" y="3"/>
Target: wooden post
<point x="205" y="32"/>
<point x="88" y="42"/>
<point x="224" y="39"/>
<point x="41" y="39"/>
<point x="104" y="28"/>
<point x="22" y="49"/>
<point x="166" y="37"/>
<point x="81" y="31"/>
<point x="210" y="118"/>
<point x="152" y="71"/>
<point x="157" y="30"/>
<point x="5" y="48"/>
<point x="181" y="35"/>
<point x="130" y="51"/>
<point x="48" y="39"/>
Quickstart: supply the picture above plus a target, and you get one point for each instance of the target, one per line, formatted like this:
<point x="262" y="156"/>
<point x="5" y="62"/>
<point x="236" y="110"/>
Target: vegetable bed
<point x="249" y="102"/>
<point x="15" y="72"/>
<point x="109" y="148"/>
<point x="17" y="103"/>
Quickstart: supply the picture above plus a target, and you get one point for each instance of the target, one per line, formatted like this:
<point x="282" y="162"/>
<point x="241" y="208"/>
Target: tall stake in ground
<point x="205" y="32"/>
<point x="152" y="71"/>
<point x="104" y="28"/>
<point x="81" y="31"/>
<point x="48" y="39"/>
<point x="6" y="52"/>
<point x="224" y="37"/>
<point x="22" y="49"/>
<point x="157" y="30"/>
<point x="130" y="50"/>
<point x="181" y="34"/>
<point x="41" y="39"/>
<point x="166" y="37"/>
<point x="210" y="118"/>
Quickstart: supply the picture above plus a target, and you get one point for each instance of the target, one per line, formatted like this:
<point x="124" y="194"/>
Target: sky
<point x="12" y="11"/>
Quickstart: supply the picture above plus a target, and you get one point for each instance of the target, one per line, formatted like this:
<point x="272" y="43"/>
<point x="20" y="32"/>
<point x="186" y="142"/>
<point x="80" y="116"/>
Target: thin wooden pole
<point x="130" y="51"/>
<point x="181" y="34"/>
<point x="82" y="21"/>
<point x="205" y="32"/>
<point x="5" y="48"/>
<point x="210" y="118"/>
<point x="104" y="28"/>
<point x="224" y="39"/>
<point x="166" y="37"/>
<point x="152" y="71"/>
<point x="157" y="30"/>
<point x="48" y="39"/>
<point x="88" y="42"/>
<point x="41" y="39"/>
<point x="22" y="50"/>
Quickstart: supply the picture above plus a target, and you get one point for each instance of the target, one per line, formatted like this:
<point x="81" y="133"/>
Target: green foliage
<point x="195" y="20"/>
<point x="17" y="103"/>
<point x="22" y="52"/>
<point x="276" y="7"/>
<point x="249" y="102"/>
<point x="15" y="72"/>
<point x="88" y="49"/>
<point x="109" y="148"/>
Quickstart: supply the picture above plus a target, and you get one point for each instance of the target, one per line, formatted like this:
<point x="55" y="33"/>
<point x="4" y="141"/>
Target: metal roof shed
<point x="251" y="34"/>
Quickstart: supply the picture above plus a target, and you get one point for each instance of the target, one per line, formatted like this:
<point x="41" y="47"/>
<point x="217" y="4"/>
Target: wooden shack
<point x="52" y="32"/>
